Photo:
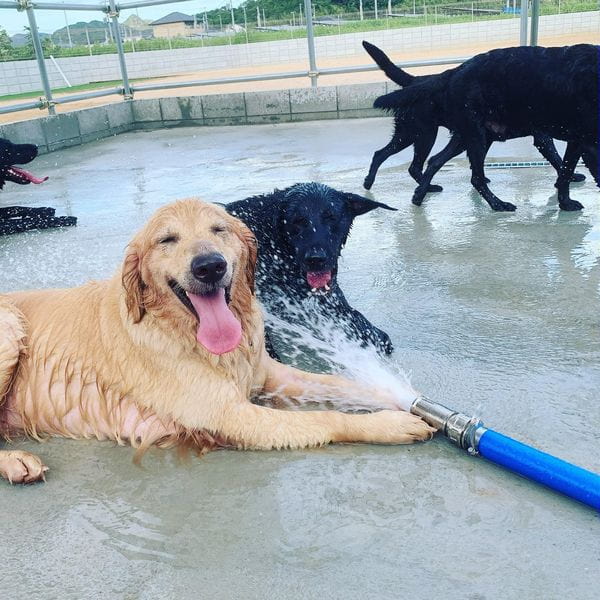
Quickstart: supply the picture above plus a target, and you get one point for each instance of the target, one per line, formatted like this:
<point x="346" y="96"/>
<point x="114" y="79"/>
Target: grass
<point x="432" y="17"/>
<point x="97" y="85"/>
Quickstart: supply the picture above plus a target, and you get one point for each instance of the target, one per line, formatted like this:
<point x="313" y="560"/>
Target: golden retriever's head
<point x="193" y="264"/>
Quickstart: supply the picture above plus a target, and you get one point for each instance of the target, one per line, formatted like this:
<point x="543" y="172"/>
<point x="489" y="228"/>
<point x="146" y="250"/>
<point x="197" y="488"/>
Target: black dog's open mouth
<point x="20" y="176"/>
<point x="320" y="282"/>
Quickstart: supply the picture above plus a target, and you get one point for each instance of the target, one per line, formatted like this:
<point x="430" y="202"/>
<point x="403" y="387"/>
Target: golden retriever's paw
<point x="399" y="427"/>
<point x="21" y="467"/>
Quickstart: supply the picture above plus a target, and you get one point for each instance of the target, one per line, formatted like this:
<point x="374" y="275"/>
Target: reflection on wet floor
<point x="494" y="313"/>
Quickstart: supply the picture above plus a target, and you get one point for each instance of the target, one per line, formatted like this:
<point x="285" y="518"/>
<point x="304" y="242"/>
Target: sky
<point x="51" y="20"/>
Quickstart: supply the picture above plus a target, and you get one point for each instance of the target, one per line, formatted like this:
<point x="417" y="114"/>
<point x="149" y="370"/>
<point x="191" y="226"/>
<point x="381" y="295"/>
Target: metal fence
<point x="111" y="10"/>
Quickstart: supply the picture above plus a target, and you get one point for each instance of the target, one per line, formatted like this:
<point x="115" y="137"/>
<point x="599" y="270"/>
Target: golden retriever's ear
<point x="247" y="238"/>
<point x="133" y="285"/>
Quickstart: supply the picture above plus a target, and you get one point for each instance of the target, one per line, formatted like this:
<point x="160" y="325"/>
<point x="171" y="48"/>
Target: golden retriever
<point x="169" y="351"/>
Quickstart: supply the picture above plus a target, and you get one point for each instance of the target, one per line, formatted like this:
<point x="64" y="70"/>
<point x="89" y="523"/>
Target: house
<point x="176" y="24"/>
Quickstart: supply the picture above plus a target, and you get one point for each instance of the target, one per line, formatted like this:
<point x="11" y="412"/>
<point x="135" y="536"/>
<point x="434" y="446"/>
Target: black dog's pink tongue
<point x="30" y="177"/>
<point x="318" y="279"/>
<point x="218" y="331"/>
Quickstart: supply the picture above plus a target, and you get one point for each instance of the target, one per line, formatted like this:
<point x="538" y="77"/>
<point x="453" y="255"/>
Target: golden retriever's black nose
<point x="209" y="268"/>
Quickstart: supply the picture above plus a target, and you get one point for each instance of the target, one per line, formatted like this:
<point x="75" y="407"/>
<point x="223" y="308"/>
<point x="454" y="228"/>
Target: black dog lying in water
<point x="301" y="231"/>
<point x="15" y="219"/>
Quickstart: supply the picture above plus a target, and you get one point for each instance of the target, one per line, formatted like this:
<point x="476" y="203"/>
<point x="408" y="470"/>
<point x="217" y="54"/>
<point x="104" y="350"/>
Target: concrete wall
<point x="304" y="104"/>
<point x="23" y="76"/>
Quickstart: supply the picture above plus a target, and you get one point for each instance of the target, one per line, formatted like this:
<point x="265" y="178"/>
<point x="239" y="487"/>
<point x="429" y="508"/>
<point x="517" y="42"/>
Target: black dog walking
<point x="15" y="219"/>
<point x="301" y="231"/>
<point x="423" y="105"/>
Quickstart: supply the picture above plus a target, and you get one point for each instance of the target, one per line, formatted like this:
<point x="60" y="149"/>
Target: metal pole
<point x="523" y="31"/>
<point x="114" y="15"/>
<point x="87" y="36"/>
<point x="60" y="71"/>
<point x="535" y="21"/>
<point x="376" y="13"/>
<point x="39" y="55"/>
<point x="310" y="36"/>
<point x="469" y="434"/>
<point x="68" y="30"/>
<point x="245" y="24"/>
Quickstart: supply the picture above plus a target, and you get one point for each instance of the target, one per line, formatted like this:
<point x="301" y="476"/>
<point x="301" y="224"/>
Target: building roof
<point x="174" y="17"/>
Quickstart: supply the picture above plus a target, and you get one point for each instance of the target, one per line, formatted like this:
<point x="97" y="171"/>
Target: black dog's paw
<point x="503" y="206"/>
<point x="367" y="183"/>
<point x="571" y="205"/>
<point x="578" y="177"/>
<point x="434" y="188"/>
<point x="382" y="342"/>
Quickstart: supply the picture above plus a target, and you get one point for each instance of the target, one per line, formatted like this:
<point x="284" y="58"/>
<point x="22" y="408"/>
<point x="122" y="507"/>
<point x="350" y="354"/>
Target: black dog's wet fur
<point x="304" y="228"/>
<point x="16" y="219"/>
<point x="502" y="94"/>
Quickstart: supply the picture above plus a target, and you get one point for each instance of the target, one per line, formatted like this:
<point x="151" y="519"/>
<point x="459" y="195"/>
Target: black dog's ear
<point x="359" y="205"/>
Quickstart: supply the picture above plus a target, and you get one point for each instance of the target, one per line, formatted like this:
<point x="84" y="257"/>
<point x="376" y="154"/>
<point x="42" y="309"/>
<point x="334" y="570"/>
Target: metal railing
<point x="112" y="10"/>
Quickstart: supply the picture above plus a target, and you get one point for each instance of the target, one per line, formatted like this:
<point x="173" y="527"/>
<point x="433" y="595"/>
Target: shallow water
<point x="494" y="313"/>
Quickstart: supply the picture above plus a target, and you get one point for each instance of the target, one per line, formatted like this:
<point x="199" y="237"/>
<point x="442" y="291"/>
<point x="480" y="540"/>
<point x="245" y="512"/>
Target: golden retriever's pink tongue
<point x="219" y="331"/>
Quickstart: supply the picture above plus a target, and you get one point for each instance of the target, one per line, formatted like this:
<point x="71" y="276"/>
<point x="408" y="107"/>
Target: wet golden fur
<point x="119" y="360"/>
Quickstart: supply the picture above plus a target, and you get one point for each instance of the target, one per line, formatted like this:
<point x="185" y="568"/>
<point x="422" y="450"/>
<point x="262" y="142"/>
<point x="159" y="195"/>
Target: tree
<point x="5" y="45"/>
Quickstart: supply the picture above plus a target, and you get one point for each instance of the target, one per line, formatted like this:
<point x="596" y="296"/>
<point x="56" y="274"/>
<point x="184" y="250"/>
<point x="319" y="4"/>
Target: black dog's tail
<point x="396" y="74"/>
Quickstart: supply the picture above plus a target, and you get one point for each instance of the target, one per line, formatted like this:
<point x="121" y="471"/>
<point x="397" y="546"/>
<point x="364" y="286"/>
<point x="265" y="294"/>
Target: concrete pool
<point x="493" y="313"/>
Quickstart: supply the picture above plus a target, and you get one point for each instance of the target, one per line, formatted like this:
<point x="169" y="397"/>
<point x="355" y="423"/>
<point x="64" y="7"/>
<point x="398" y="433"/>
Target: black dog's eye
<point x="300" y="222"/>
<point x="170" y="239"/>
<point x="328" y="216"/>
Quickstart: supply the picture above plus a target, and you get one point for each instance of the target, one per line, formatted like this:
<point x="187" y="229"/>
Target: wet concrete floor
<point x="494" y="313"/>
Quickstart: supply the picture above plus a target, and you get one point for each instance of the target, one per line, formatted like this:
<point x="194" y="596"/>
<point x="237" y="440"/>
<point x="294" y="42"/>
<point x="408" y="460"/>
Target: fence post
<point x="39" y="55"/>
<point x="113" y="13"/>
<point x="310" y="36"/>
<point x="523" y="31"/>
<point x="535" y="21"/>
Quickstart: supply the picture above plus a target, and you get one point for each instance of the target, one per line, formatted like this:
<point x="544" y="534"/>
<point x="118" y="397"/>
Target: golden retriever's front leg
<point x="19" y="466"/>
<point x="254" y="427"/>
<point x="284" y="383"/>
<point x="251" y="426"/>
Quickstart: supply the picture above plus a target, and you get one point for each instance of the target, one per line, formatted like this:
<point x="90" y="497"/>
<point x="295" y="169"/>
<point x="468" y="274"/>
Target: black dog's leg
<point x="269" y="345"/>
<point x="361" y="328"/>
<point x="545" y="144"/>
<point x="477" y="144"/>
<point x="453" y="148"/>
<point x="19" y="225"/>
<point x="381" y="156"/>
<point x="572" y="154"/>
<point x="422" y="147"/>
<point x="357" y="326"/>
<point x="10" y="212"/>
<point x="590" y="159"/>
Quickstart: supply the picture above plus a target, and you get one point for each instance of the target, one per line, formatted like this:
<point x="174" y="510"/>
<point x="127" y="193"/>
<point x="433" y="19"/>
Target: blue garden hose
<point x="471" y="435"/>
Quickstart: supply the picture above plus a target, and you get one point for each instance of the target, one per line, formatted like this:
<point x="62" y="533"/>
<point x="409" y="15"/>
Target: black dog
<point x="422" y="108"/>
<point x="15" y="219"/>
<point x="301" y="231"/>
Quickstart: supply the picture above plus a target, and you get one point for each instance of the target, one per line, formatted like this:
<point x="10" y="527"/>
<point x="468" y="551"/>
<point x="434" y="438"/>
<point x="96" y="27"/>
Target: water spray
<point x="466" y="432"/>
<point x="469" y="434"/>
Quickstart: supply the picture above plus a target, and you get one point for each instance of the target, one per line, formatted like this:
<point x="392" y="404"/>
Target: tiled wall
<point x="304" y="104"/>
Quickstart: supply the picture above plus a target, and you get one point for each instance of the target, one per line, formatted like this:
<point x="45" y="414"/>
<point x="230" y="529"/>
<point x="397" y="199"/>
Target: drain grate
<point x="517" y="164"/>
